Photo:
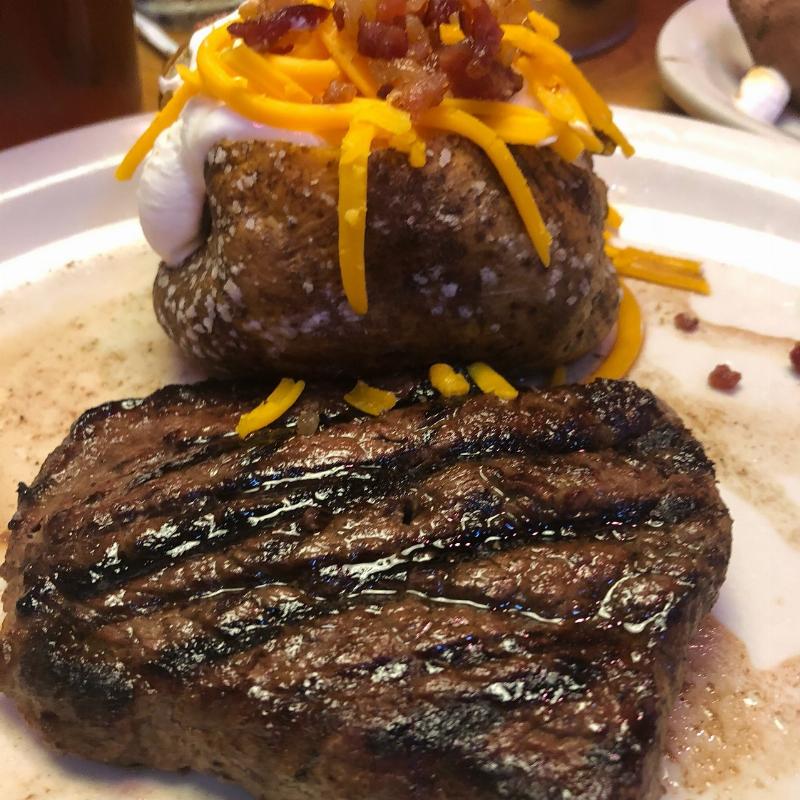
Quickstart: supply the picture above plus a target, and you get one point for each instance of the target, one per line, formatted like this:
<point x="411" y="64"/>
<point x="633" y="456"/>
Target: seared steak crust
<point x="470" y="599"/>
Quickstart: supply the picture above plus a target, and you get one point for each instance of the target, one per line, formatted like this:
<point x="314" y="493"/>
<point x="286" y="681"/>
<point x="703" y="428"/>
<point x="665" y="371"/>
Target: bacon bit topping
<point x="686" y="322"/>
<point x="338" y="15"/>
<point x="264" y="33"/>
<point x="440" y="11"/>
<point x="381" y="40"/>
<point x="339" y="92"/>
<point x="723" y="378"/>
<point x="424" y="90"/>
<point x="473" y="78"/>
<point x="481" y="27"/>
<point x="392" y="12"/>
<point x="794" y="357"/>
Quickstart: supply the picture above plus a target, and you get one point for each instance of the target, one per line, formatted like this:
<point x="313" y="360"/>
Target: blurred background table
<point x="626" y="75"/>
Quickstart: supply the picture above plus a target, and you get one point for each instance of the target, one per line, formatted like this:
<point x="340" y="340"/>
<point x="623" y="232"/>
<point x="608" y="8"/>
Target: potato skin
<point x="771" y="29"/>
<point x="451" y="272"/>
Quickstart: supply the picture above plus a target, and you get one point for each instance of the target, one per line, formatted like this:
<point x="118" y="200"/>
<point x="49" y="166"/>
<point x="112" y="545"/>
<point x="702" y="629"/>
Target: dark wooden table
<point x="626" y="75"/>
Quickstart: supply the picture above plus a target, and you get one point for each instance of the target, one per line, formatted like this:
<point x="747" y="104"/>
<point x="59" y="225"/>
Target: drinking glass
<point x="183" y="14"/>
<point x="65" y="63"/>
<point x="590" y="26"/>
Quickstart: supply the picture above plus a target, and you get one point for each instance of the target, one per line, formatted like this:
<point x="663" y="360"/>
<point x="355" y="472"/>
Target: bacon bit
<point x="339" y="92"/>
<point x="440" y="11"/>
<point x="391" y="12"/>
<point x="379" y="40"/>
<point x="480" y="25"/>
<point x="686" y="322"/>
<point x="416" y="7"/>
<point x="472" y="79"/>
<point x="421" y="93"/>
<point x="794" y="357"/>
<point x="338" y="15"/>
<point x="470" y="65"/>
<point x="264" y="34"/>
<point x="408" y="61"/>
<point x="723" y="378"/>
<point x="419" y="40"/>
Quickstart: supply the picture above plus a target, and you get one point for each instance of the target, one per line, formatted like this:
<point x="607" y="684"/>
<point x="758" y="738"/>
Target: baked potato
<point x="451" y="272"/>
<point x="771" y="29"/>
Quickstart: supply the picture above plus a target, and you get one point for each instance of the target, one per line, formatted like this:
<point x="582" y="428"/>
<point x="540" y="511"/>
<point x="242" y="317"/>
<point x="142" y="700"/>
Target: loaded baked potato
<point x="486" y="245"/>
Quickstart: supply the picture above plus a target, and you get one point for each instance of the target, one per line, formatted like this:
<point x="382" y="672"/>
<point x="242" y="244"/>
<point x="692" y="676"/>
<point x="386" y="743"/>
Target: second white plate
<point x="702" y="56"/>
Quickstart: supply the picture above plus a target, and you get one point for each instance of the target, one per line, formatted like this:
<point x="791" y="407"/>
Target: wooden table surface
<point x="625" y="75"/>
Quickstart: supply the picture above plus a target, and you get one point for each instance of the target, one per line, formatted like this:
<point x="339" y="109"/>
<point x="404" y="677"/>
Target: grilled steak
<point x="471" y="599"/>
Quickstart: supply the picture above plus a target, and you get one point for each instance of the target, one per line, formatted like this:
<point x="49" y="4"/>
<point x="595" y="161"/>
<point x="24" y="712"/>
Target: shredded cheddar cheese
<point x="630" y="337"/>
<point x="687" y="266"/>
<point x="568" y="145"/>
<point x="447" y="381"/>
<point x="348" y="60"/>
<point x="613" y="218"/>
<point x="491" y="382"/>
<point x="264" y="74"/>
<point x="544" y="26"/>
<point x="313" y="74"/>
<point x="513" y="124"/>
<point x="562" y="105"/>
<point x="353" y="211"/>
<point x="679" y="273"/>
<point x="163" y="120"/>
<point x="276" y="405"/>
<point x="655" y="273"/>
<point x="370" y="400"/>
<point x="560" y="62"/>
<point x="232" y="91"/>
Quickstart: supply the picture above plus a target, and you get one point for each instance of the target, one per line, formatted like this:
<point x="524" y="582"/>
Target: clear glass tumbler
<point x="590" y="26"/>
<point x="183" y="14"/>
<point x="65" y="63"/>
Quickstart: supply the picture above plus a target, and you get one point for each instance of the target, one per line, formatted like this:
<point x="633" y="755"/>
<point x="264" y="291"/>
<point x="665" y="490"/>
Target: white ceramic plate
<point x="76" y="328"/>
<point x="702" y="57"/>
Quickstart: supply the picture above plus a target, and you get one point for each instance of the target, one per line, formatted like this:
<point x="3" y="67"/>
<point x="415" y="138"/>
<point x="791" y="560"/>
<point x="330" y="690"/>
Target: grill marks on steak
<point x="482" y="597"/>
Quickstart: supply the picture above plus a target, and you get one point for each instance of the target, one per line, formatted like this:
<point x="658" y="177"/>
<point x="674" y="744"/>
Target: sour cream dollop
<point x="172" y="190"/>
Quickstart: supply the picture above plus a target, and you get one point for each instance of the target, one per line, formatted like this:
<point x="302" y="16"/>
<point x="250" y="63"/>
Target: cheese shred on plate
<point x="283" y="91"/>
<point x="629" y="341"/>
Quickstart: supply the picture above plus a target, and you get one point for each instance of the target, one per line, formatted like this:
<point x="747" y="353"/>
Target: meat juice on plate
<point x="87" y="334"/>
